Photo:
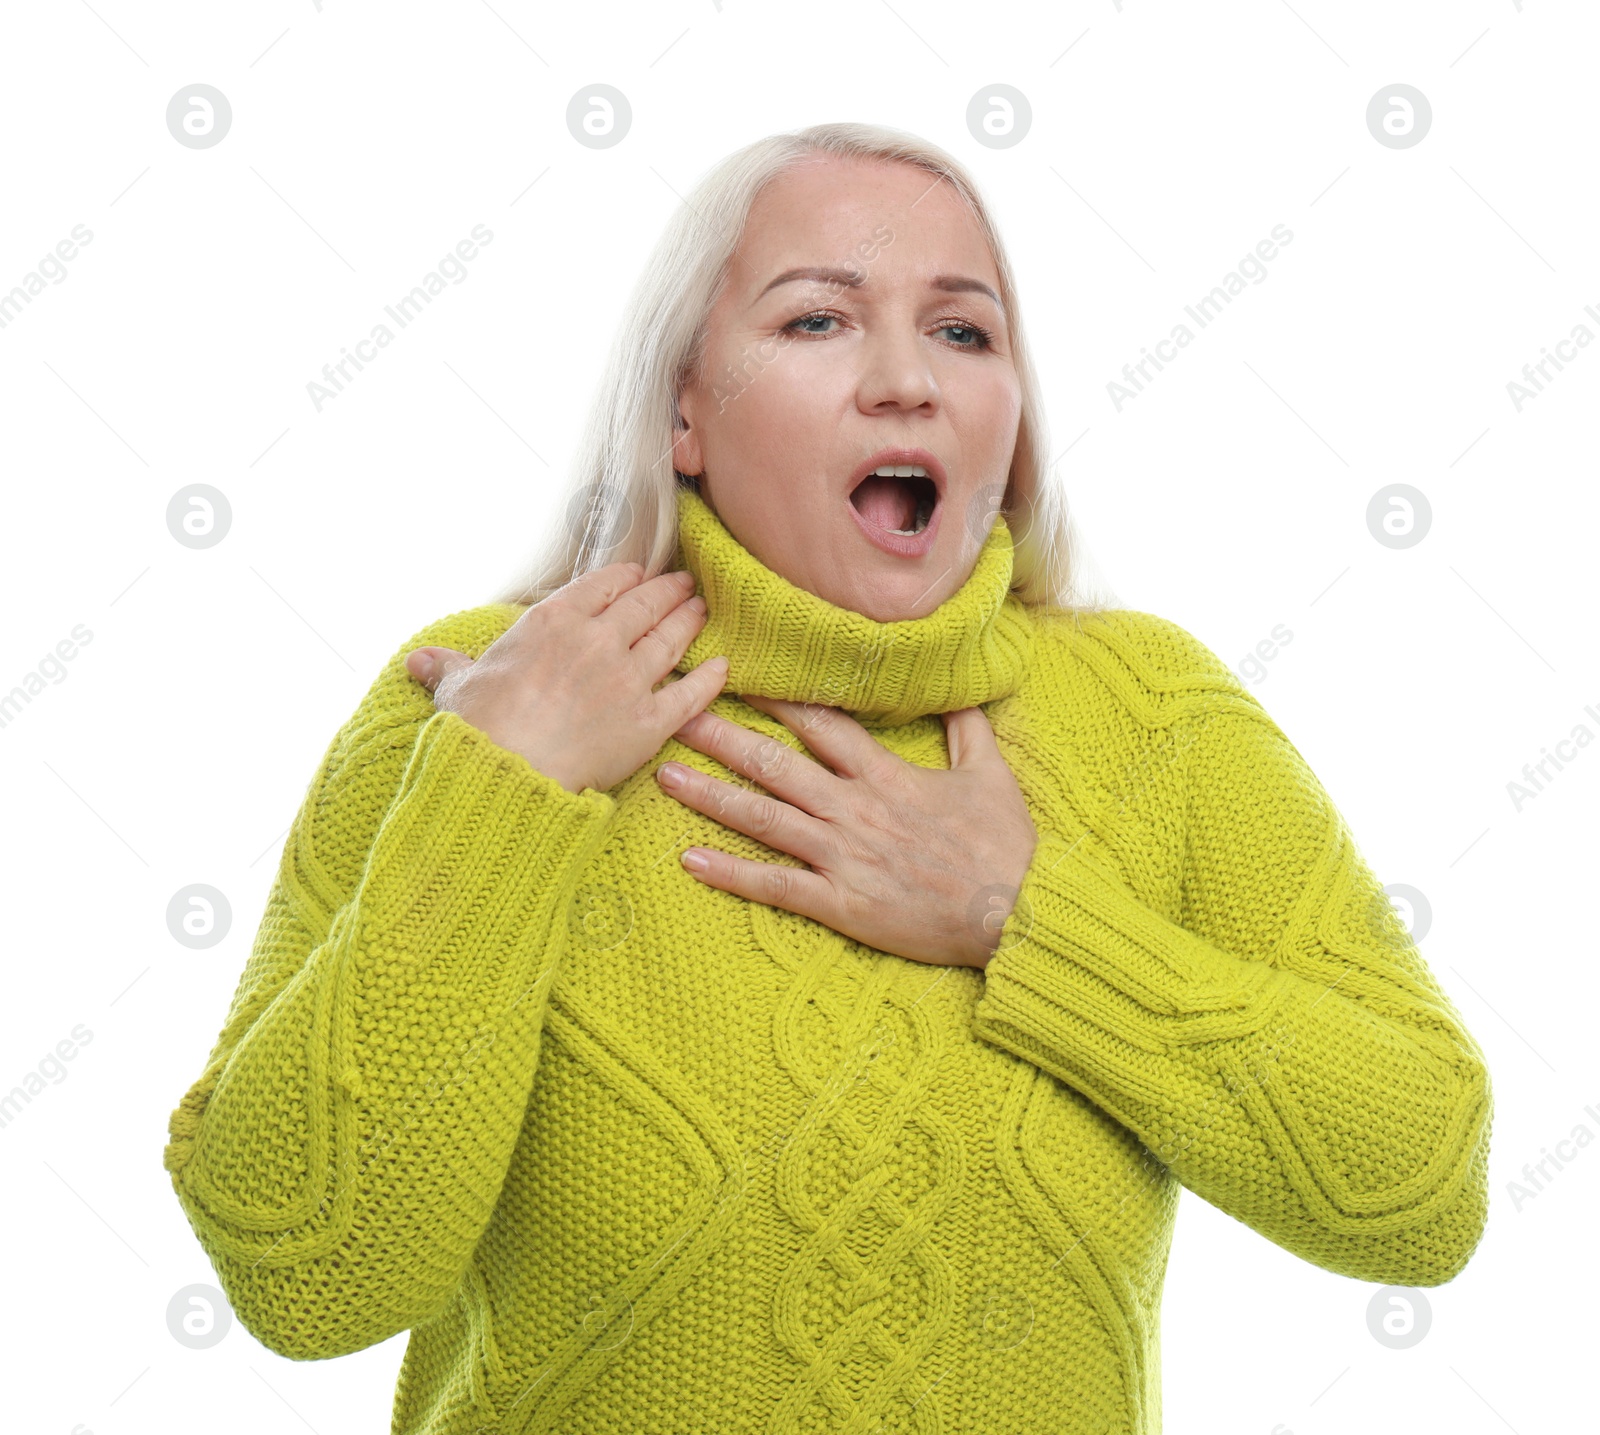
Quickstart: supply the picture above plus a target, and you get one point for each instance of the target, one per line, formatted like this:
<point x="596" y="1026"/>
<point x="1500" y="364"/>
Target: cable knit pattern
<point x="625" y="1153"/>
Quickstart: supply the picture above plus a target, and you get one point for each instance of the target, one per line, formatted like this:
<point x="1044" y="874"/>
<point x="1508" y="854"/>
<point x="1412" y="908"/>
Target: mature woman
<point x="787" y="994"/>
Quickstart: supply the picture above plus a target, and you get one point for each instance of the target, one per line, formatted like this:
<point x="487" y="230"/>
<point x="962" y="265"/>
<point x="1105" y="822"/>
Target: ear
<point x="687" y="456"/>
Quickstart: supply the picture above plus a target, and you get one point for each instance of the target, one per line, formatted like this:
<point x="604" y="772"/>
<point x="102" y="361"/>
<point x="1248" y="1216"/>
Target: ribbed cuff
<point x="472" y="837"/>
<point x="1087" y="980"/>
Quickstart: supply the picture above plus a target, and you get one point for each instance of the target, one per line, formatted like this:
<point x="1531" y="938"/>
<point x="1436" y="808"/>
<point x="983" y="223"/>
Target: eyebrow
<point x="854" y="279"/>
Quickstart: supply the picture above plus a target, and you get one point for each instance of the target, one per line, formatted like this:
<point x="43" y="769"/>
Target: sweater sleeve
<point x="344" y="1148"/>
<point x="1280" y="1045"/>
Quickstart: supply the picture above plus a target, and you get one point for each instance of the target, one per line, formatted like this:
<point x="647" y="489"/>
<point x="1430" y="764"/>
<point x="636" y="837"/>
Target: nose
<point x="895" y="371"/>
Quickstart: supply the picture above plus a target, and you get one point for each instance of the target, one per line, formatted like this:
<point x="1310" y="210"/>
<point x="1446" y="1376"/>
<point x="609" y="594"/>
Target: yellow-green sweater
<point x="626" y="1153"/>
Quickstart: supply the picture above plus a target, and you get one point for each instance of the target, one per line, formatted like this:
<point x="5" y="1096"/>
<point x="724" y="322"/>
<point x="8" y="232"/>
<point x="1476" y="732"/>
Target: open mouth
<point x="898" y="498"/>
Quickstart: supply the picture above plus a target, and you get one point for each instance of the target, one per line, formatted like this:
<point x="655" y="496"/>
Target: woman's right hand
<point x="571" y="685"/>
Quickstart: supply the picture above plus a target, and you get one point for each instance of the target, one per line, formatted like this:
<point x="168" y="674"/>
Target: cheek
<point x="775" y="453"/>
<point x="773" y="409"/>
<point x="781" y="396"/>
<point x="811" y="374"/>
<point x="986" y="408"/>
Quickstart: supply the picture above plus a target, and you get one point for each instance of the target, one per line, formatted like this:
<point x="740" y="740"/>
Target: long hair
<point x="622" y="503"/>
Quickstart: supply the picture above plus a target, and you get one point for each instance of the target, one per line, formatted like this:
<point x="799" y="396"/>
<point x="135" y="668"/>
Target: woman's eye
<point x="810" y="319"/>
<point x="969" y="336"/>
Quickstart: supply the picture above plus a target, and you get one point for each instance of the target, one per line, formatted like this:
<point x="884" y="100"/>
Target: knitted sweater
<point x="628" y="1153"/>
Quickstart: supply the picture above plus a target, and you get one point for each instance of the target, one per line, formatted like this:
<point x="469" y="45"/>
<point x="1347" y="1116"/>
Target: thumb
<point x="430" y="666"/>
<point x="970" y="738"/>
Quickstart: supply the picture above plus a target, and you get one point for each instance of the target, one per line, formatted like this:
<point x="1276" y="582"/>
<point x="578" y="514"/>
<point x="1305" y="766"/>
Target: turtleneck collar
<point x="784" y="642"/>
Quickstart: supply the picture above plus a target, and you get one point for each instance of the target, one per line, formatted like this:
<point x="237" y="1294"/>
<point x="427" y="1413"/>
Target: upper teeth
<point x="925" y="504"/>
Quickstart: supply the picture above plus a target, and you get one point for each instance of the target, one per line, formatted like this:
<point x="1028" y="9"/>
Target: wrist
<point x="557" y="772"/>
<point x="573" y="785"/>
<point x="987" y="914"/>
<point x="997" y="907"/>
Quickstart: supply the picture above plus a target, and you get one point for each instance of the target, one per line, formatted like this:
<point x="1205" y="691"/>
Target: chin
<point x="894" y="593"/>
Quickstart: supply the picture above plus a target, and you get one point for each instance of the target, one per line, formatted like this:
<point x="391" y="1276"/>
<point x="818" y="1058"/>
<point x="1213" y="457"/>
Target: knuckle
<point x="704" y="729"/>
<point x="642" y="712"/>
<point x="770" y="759"/>
<point x="888" y="773"/>
<point x="882" y="819"/>
<point x="819" y="717"/>
<point x="776" y="884"/>
<point x="763" y="817"/>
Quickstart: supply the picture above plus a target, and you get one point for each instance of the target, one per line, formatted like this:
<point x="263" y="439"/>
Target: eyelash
<point x="985" y="337"/>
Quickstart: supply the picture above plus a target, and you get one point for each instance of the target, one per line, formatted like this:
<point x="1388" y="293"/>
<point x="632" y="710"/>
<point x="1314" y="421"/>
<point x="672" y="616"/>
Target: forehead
<point x="826" y="209"/>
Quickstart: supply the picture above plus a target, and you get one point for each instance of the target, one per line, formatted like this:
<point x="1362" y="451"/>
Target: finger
<point x="831" y="733"/>
<point x="803" y="893"/>
<point x="777" y="767"/>
<point x="678" y="702"/>
<point x="657" y="653"/>
<point x="635" y="612"/>
<point x="430" y="666"/>
<point x="593" y="592"/>
<point x="771" y="822"/>
<point x="970" y="738"/>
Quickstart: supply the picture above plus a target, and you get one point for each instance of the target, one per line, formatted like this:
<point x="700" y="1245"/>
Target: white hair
<point x="622" y="504"/>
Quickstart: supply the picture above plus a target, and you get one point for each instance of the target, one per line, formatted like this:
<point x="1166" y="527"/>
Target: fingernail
<point x="670" y="775"/>
<point x="697" y="603"/>
<point x="695" y="860"/>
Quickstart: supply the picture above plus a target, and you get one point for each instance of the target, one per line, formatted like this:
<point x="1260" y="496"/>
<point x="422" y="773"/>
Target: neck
<point x="782" y="641"/>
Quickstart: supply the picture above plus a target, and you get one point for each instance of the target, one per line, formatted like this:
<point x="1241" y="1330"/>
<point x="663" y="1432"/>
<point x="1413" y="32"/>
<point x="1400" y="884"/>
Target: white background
<point x="1230" y="496"/>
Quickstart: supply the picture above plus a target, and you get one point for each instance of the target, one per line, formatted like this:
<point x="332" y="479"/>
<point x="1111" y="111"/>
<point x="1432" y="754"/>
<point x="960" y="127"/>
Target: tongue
<point x="888" y="502"/>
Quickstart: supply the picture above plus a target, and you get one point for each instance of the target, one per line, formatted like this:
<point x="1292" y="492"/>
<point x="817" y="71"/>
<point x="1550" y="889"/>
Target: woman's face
<point x="810" y="378"/>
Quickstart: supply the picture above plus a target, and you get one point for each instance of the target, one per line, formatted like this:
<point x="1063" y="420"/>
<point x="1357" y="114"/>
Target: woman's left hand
<point x="921" y="862"/>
